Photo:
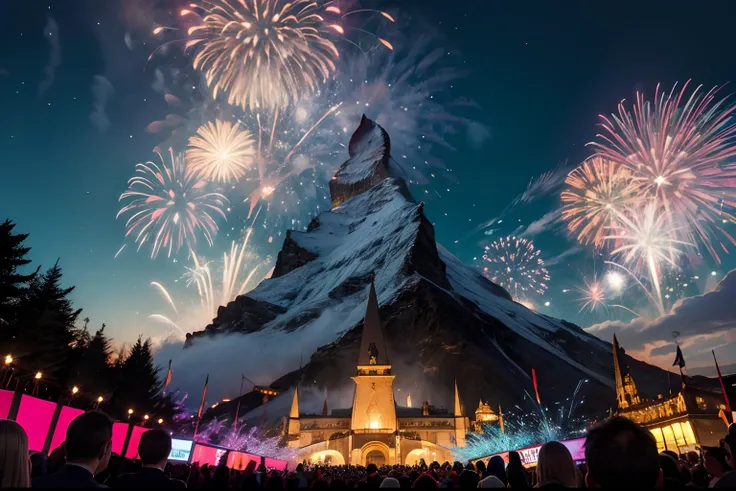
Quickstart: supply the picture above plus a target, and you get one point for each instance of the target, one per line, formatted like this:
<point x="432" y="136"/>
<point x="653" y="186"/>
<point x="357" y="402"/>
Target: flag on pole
<point x="679" y="359"/>
<point x="500" y="419"/>
<point x="168" y="376"/>
<point x="720" y="379"/>
<point x="536" y="387"/>
<point x="204" y="394"/>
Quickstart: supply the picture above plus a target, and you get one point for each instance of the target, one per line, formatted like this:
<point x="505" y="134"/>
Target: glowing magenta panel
<point x="67" y="415"/>
<point x="275" y="464"/>
<point x="205" y="455"/>
<point x="35" y="417"/>
<point x="135" y="438"/>
<point x="119" y="432"/>
<point x="240" y="460"/>
<point x="576" y="448"/>
<point x="6" y="399"/>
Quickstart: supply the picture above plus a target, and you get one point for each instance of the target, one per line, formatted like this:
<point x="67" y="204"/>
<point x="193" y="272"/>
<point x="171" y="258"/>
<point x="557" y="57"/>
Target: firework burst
<point x="170" y="206"/>
<point x="680" y="150"/>
<point x="238" y="269"/>
<point x="221" y="151"/>
<point x="648" y="243"/>
<point x="596" y="192"/>
<point x="514" y="263"/>
<point x="593" y="296"/>
<point x="262" y="53"/>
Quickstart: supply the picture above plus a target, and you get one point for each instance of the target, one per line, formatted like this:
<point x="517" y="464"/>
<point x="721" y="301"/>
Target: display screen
<point x="181" y="450"/>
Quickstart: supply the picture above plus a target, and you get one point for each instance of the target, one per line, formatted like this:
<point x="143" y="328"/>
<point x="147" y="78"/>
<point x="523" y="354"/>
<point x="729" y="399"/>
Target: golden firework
<point x="221" y="151"/>
<point x="596" y="192"/>
<point x="262" y="53"/>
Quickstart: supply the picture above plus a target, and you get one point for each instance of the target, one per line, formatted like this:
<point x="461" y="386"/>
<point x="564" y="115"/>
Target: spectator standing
<point x="516" y="472"/>
<point x="88" y="449"/>
<point x="497" y="467"/>
<point x="153" y="449"/>
<point x="620" y="454"/>
<point x="15" y="464"/>
<point x="714" y="459"/>
<point x="555" y="467"/>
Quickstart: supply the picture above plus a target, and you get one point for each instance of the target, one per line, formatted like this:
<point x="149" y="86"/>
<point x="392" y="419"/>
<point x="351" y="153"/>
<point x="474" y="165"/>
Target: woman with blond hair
<point x="15" y="462"/>
<point x="555" y="467"/>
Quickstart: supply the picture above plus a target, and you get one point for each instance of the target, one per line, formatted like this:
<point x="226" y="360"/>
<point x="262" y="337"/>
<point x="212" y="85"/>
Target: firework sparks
<point x="615" y="281"/>
<point x="170" y="206"/>
<point x="648" y="243"/>
<point x="514" y="263"/>
<point x="593" y="296"/>
<point x="238" y="276"/>
<point x="596" y="192"/>
<point x="221" y="151"/>
<point x="680" y="151"/>
<point x="262" y="53"/>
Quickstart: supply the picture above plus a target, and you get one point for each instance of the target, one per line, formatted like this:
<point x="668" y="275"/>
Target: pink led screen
<point x="275" y="464"/>
<point x="240" y="460"/>
<point x="132" y="451"/>
<point x="119" y="432"/>
<point x="6" y="399"/>
<point x="206" y="455"/>
<point x="35" y="417"/>
<point x="67" y="415"/>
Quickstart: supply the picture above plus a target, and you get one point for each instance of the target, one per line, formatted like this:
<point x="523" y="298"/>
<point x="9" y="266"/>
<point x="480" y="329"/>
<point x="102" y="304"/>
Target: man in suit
<point x="88" y="448"/>
<point x="153" y="450"/>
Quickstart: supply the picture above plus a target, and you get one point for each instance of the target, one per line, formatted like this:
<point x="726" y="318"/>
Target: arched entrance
<point x="374" y="453"/>
<point x="327" y="457"/>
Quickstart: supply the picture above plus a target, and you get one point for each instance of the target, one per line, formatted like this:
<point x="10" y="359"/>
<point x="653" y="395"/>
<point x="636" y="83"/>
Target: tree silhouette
<point x="13" y="285"/>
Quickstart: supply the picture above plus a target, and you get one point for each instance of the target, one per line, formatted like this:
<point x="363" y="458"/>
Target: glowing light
<point x="146" y="417"/>
<point x="515" y="264"/>
<point x="680" y="150"/>
<point x="615" y="280"/>
<point x="713" y="273"/>
<point x="100" y="399"/>
<point x="170" y="206"/>
<point x="160" y="421"/>
<point x="130" y="412"/>
<point x="38" y="376"/>
<point x="262" y="53"/>
<point x="75" y="390"/>
<point x="221" y="151"/>
<point x="8" y="359"/>
<point x="593" y="296"/>
<point x="267" y="191"/>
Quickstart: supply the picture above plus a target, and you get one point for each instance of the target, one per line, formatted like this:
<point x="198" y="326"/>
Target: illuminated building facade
<point x="681" y="422"/>
<point x="376" y="430"/>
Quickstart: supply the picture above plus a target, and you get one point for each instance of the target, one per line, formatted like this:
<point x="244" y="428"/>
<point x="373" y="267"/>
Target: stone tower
<point x="373" y="403"/>
<point x="626" y="393"/>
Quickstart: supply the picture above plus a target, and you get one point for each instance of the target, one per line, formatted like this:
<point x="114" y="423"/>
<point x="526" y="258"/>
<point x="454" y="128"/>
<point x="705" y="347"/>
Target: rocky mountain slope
<point x="442" y="319"/>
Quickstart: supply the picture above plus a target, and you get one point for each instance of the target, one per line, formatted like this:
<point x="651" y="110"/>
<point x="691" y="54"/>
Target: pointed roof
<point x="618" y="374"/>
<point x="372" y="332"/>
<point x="294" y="412"/>
<point x="458" y="406"/>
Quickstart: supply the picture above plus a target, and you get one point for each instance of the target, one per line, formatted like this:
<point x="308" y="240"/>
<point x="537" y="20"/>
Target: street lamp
<point x="99" y="401"/>
<point x="130" y="412"/>
<point x="75" y="390"/>
<point x="160" y="421"/>
<point x="145" y="416"/>
<point x="8" y="359"/>
<point x="38" y="375"/>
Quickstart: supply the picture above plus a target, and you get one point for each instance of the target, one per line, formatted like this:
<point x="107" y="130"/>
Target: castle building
<point x="376" y="429"/>
<point x="681" y="422"/>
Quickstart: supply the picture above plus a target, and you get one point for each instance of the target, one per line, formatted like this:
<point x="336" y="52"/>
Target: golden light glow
<point x="100" y="399"/>
<point x="38" y="375"/>
<point x="75" y="390"/>
<point x="221" y="151"/>
<point x="160" y="421"/>
<point x="130" y="411"/>
<point x="267" y="191"/>
<point x="145" y="416"/>
<point x="8" y="359"/>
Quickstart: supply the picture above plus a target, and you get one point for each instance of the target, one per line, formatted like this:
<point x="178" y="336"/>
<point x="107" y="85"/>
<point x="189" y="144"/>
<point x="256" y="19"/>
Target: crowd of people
<point x="619" y="454"/>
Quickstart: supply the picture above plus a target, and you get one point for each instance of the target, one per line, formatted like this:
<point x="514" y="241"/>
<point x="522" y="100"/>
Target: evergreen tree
<point x="45" y="331"/>
<point x="138" y="384"/>
<point x="12" y="284"/>
<point x="94" y="372"/>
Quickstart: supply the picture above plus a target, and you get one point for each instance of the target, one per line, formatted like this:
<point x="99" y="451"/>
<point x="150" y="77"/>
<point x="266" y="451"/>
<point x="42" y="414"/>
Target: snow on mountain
<point x="442" y="319"/>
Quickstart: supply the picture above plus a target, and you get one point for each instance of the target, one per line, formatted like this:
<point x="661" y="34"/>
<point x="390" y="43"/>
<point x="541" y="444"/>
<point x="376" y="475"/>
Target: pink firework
<point x="169" y="206"/>
<point x="680" y="150"/>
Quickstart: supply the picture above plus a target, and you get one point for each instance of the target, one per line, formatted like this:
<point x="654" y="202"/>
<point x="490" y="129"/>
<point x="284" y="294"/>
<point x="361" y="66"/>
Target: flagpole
<point x="720" y="379"/>
<point x="237" y="409"/>
<point x="201" y="407"/>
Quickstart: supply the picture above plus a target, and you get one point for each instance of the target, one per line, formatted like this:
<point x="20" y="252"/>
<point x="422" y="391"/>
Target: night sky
<point x="75" y="101"/>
